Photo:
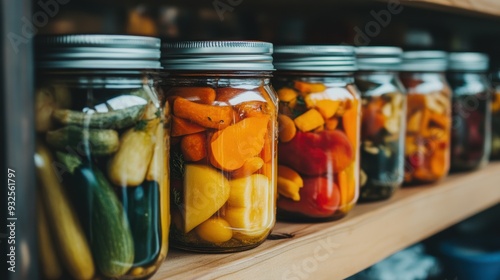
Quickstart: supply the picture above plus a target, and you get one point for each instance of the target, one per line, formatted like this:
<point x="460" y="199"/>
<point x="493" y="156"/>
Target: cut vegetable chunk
<point x="234" y="145"/>
<point x="205" y="190"/>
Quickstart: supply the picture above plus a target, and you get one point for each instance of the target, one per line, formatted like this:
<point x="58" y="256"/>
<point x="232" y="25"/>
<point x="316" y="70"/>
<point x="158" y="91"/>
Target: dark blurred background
<point x="355" y="22"/>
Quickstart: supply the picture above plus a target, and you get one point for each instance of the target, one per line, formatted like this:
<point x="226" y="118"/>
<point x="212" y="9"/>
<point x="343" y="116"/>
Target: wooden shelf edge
<point x="339" y="249"/>
<point x="480" y="7"/>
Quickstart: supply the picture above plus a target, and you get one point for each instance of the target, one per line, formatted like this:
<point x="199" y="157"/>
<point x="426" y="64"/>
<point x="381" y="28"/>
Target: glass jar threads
<point x="223" y="143"/>
<point x="495" y="111"/>
<point x="471" y="110"/>
<point x="319" y="123"/>
<point x="101" y="158"/>
<point x="383" y="111"/>
<point x="428" y="117"/>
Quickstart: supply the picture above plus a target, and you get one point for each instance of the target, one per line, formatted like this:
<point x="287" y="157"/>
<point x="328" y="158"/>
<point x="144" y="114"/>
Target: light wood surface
<point x="336" y="250"/>
<point x="486" y="7"/>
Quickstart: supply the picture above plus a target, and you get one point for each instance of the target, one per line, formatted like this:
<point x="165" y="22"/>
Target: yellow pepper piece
<point x="290" y="174"/>
<point x="309" y="120"/>
<point x="288" y="189"/>
<point x="306" y="88"/>
<point x="215" y="230"/>
<point x="327" y="108"/>
<point x="286" y="95"/>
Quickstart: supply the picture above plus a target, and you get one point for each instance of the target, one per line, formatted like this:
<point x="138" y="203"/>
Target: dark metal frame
<point x="17" y="139"/>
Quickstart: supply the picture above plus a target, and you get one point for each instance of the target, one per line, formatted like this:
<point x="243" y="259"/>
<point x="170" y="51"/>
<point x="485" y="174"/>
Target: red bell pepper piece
<point x="319" y="198"/>
<point x="317" y="153"/>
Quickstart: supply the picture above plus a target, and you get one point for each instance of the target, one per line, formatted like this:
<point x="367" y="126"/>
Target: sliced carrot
<point x="344" y="189"/>
<point x="209" y="116"/>
<point x="205" y="95"/>
<point x="194" y="146"/>
<point x="182" y="127"/>
<point x="350" y="122"/>
<point x="306" y="88"/>
<point x="237" y="143"/>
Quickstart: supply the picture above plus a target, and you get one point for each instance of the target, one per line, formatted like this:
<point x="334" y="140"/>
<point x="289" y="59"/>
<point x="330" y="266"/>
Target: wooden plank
<point x="485" y="7"/>
<point x="336" y="250"/>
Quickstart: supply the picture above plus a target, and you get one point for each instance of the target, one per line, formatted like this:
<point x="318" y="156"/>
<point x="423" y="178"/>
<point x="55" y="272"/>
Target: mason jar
<point x="319" y="120"/>
<point x="383" y="111"/>
<point x="428" y="116"/>
<point x="471" y="110"/>
<point x="101" y="160"/>
<point x="495" y="111"/>
<point x="223" y="143"/>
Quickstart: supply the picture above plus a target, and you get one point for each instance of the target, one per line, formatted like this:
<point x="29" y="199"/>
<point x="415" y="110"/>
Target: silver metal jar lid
<point x="97" y="52"/>
<point x="424" y="61"/>
<point x="468" y="61"/>
<point x="218" y="56"/>
<point x="320" y="58"/>
<point x="379" y="58"/>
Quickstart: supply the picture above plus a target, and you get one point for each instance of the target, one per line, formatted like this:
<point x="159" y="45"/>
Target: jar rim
<point x="97" y="51"/>
<point x="217" y="56"/>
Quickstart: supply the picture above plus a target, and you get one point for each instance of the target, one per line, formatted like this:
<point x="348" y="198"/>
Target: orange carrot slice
<point x="234" y="145"/>
<point x="182" y="127"/>
<point x="194" y="146"/>
<point x="205" y="95"/>
<point x="209" y="116"/>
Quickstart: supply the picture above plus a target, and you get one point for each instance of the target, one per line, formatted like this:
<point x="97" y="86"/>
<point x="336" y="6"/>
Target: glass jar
<point x="495" y="112"/>
<point x="223" y="148"/>
<point x="319" y="118"/>
<point x="383" y="105"/>
<point x="428" y="117"/>
<point x="471" y="110"/>
<point x="103" y="207"/>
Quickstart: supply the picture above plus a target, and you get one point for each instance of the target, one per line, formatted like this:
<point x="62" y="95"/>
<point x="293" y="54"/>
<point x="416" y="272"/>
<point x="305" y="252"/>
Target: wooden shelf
<point x="482" y="7"/>
<point x="339" y="249"/>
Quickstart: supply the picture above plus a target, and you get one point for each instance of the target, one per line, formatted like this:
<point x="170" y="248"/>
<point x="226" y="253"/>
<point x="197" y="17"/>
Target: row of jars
<point x="137" y="147"/>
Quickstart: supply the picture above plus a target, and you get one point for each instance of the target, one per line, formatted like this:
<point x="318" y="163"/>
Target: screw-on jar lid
<point x="379" y="58"/>
<point x="424" y="61"/>
<point x="468" y="61"/>
<point x="218" y="56"/>
<point x="97" y="52"/>
<point x="315" y="58"/>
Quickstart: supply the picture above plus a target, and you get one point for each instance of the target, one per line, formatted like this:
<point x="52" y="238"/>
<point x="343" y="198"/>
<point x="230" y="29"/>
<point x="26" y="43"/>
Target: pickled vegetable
<point x="470" y="132"/>
<point x="428" y="131"/>
<point x="141" y="203"/>
<point x="222" y="195"/>
<point x="67" y="230"/>
<point x="382" y="140"/>
<point x="112" y="171"/>
<point x="319" y="131"/>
